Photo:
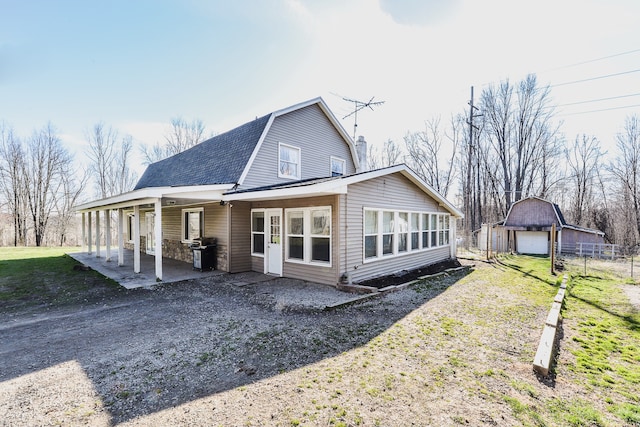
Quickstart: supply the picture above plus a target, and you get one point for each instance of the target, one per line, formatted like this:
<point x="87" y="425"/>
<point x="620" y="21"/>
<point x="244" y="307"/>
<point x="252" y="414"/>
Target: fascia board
<point x="288" y="193"/>
<point x="147" y="195"/>
<point x="256" y="149"/>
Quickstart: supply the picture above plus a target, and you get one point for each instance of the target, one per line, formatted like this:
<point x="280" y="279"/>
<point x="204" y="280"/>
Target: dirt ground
<point x="209" y="353"/>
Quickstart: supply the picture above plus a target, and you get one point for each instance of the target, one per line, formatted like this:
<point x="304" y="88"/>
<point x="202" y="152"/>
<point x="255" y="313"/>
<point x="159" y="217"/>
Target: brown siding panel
<point x="240" y="253"/>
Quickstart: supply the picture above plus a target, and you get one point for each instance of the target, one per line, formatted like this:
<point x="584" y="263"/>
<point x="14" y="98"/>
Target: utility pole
<point x="467" y="197"/>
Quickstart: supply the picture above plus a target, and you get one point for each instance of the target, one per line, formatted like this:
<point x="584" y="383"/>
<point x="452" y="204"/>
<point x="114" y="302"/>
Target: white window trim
<point x="264" y="232"/>
<point x="183" y="238"/>
<point x="280" y="174"/>
<point x="337" y="159"/>
<point x="396" y="214"/>
<point x="307" y="236"/>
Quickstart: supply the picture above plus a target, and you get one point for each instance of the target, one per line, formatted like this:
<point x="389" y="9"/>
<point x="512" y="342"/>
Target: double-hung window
<point x="192" y="224"/>
<point x="370" y="234"/>
<point x="288" y="161"/>
<point x="443" y="230"/>
<point x="337" y="166"/>
<point x="415" y="231"/>
<point x="257" y="233"/>
<point x="308" y="235"/>
<point x="403" y="231"/>
<point x="388" y="232"/>
<point x="434" y="231"/>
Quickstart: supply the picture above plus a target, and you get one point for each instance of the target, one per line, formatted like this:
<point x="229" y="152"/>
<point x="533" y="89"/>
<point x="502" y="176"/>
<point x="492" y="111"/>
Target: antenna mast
<point x="357" y="106"/>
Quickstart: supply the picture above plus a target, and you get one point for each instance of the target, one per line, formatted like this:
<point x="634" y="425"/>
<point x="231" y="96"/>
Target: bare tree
<point x="389" y="155"/>
<point x="181" y="136"/>
<point x="519" y="128"/>
<point x="626" y="167"/>
<point x="583" y="160"/>
<point x="110" y="156"/>
<point x="427" y="157"/>
<point x="68" y="194"/>
<point x="46" y="161"/>
<point x="12" y="181"/>
<point x="184" y="135"/>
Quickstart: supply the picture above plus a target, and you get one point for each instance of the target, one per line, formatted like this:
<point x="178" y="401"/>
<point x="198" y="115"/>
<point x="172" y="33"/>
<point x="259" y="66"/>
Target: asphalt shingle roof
<point x="218" y="160"/>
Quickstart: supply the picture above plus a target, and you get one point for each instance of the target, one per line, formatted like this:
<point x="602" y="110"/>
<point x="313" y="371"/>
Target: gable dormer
<point x="302" y="142"/>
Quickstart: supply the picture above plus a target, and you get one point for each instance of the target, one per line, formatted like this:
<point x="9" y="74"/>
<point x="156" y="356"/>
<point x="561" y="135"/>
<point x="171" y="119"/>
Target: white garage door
<point x="533" y="242"/>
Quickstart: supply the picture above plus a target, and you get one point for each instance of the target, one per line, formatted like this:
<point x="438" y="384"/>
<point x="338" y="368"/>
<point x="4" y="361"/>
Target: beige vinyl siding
<point x="308" y="129"/>
<point x="314" y="273"/>
<point x="390" y="192"/>
<point x="215" y="225"/>
<point x="240" y="251"/>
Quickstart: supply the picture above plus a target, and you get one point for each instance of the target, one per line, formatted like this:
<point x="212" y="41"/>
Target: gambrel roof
<point x="562" y="222"/>
<point x="226" y="158"/>
<point x="218" y="160"/>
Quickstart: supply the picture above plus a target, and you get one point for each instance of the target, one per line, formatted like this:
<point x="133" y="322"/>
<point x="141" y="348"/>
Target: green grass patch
<point x="606" y="344"/>
<point x="32" y="276"/>
<point x="575" y="413"/>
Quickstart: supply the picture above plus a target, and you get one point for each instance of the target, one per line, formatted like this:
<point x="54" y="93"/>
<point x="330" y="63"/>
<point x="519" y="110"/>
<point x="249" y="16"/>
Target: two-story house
<point x="284" y="194"/>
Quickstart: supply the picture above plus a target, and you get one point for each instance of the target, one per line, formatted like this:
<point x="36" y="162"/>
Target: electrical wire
<point x="596" y="78"/>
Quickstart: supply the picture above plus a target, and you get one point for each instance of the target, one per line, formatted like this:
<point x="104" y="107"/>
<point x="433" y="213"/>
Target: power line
<point x="600" y="110"/>
<point x="594" y="60"/>
<point x="599" y="99"/>
<point x="596" y="78"/>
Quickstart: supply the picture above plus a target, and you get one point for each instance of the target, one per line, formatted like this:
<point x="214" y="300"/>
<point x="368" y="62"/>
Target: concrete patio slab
<point x="172" y="270"/>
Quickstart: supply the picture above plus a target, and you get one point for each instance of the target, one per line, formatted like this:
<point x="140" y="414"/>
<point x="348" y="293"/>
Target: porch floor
<point x="172" y="270"/>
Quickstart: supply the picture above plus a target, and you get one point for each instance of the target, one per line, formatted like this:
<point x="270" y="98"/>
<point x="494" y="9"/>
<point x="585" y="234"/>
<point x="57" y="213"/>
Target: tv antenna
<point x="357" y="106"/>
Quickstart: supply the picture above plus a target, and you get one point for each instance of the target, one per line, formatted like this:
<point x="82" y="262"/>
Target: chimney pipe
<point x="361" y="150"/>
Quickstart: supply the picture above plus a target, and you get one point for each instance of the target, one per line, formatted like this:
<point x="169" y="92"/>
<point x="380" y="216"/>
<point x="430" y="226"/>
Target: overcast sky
<point x="136" y="64"/>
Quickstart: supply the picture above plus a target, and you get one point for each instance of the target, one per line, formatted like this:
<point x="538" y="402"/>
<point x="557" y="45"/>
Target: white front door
<point x="274" y="242"/>
<point x="151" y="241"/>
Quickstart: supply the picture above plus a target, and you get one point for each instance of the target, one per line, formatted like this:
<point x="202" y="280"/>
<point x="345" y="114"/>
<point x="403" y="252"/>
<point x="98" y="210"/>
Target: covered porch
<point x="144" y="204"/>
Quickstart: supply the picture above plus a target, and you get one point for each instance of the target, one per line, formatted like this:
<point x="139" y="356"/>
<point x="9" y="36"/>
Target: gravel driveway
<point x="154" y="349"/>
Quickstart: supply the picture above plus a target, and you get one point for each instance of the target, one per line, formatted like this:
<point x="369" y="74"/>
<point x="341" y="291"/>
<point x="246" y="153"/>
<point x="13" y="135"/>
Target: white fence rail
<point x="597" y="250"/>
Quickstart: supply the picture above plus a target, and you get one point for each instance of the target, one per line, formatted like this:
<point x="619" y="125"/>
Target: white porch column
<point x="120" y="237"/>
<point x="83" y="245"/>
<point x="89" y="236"/>
<point x="136" y="239"/>
<point x="158" y="238"/>
<point x="97" y="234"/>
<point x="107" y="220"/>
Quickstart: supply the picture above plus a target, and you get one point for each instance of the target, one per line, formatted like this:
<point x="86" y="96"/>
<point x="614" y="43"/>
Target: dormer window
<point x="289" y="162"/>
<point x="337" y="166"/>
